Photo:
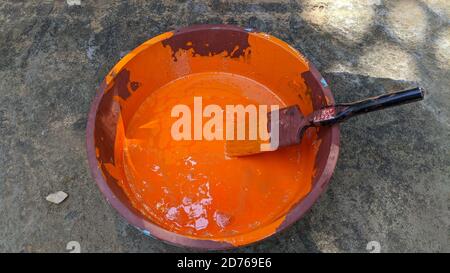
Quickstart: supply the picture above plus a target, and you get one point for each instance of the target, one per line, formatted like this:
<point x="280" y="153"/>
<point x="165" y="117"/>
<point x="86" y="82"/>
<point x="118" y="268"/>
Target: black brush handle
<point x="338" y="113"/>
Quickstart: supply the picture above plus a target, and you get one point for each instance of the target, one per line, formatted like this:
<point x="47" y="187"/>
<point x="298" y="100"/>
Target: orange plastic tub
<point x="186" y="192"/>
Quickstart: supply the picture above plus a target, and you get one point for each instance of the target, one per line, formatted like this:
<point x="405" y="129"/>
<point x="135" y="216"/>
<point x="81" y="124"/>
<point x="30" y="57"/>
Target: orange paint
<point x="190" y="187"/>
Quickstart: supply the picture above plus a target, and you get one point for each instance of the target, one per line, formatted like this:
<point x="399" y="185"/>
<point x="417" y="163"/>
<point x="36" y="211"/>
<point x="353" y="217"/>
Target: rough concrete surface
<point x="392" y="180"/>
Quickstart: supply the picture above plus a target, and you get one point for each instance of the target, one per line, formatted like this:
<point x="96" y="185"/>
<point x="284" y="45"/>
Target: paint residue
<point x="192" y="188"/>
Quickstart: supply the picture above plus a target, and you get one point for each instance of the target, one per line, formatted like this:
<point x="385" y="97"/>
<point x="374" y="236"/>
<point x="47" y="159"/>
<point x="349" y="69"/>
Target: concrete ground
<point x="392" y="180"/>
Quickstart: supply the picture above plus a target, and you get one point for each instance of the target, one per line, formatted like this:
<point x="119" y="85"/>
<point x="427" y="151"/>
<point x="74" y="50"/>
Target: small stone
<point x="73" y="2"/>
<point x="57" y="197"/>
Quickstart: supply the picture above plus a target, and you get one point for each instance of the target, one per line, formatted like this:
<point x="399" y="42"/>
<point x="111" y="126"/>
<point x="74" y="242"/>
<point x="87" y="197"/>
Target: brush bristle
<point x="236" y="148"/>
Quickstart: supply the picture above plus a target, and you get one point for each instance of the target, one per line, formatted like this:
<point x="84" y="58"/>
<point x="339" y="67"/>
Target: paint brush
<point x="291" y="123"/>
